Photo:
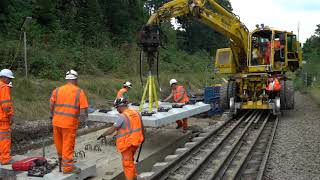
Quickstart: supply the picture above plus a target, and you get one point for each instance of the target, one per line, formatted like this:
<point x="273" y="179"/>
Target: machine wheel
<point x="287" y="95"/>
<point x="227" y="91"/>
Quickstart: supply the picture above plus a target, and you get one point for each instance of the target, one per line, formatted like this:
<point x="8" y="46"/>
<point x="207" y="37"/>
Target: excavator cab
<point x="273" y="51"/>
<point x="259" y="55"/>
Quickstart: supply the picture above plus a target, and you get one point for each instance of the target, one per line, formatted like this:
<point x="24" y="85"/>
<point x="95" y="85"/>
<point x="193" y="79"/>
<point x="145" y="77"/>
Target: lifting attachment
<point x="149" y="41"/>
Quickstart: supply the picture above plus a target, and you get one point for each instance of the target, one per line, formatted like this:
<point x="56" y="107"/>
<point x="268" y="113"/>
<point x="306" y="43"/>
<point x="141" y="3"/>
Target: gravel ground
<point x="295" y="153"/>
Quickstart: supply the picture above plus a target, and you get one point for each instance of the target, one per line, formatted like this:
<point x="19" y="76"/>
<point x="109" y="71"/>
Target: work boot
<point x="75" y="170"/>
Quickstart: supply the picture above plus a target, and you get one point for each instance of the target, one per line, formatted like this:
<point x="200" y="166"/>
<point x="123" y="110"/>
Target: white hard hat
<point x="173" y="81"/>
<point x="127" y="84"/>
<point x="72" y="74"/>
<point x="6" y="73"/>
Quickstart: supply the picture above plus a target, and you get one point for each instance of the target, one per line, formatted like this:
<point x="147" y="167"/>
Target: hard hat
<point x="127" y="84"/>
<point x="120" y="102"/>
<point x="173" y="81"/>
<point x="72" y="74"/>
<point x="6" y="73"/>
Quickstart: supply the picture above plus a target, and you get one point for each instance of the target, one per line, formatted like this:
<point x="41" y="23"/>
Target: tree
<point x="318" y="30"/>
<point x="195" y="36"/>
<point x="125" y="18"/>
<point x="311" y="53"/>
<point x="4" y="11"/>
<point x="44" y="11"/>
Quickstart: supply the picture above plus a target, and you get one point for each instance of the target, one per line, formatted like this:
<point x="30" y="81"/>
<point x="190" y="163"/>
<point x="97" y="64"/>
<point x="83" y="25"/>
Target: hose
<point x="140" y="67"/>
<point x="161" y="35"/>
<point x="158" y="77"/>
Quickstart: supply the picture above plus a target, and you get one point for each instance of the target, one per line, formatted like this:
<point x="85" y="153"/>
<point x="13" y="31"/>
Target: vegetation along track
<point x="237" y="149"/>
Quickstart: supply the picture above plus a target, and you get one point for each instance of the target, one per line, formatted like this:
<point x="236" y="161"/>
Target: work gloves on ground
<point x="100" y="137"/>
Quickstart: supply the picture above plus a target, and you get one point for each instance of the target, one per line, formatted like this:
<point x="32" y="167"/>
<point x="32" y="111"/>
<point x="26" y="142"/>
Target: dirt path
<point x="296" y="150"/>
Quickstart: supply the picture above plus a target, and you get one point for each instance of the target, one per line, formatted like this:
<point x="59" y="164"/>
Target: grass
<point x="314" y="92"/>
<point x="31" y="96"/>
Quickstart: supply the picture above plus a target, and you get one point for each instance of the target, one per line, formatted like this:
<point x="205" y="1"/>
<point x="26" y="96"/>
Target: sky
<point x="280" y="14"/>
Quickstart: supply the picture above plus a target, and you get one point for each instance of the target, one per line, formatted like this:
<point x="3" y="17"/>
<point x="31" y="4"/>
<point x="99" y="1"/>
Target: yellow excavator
<point x="252" y="59"/>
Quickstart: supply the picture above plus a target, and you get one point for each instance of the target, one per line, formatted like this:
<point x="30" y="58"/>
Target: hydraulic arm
<point x="208" y="12"/>
<point x="252" y="57"/>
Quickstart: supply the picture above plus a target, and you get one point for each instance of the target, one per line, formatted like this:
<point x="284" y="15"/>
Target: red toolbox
<point x="27" y="164"/>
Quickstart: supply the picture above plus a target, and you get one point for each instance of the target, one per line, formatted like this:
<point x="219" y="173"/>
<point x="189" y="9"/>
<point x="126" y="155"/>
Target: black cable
<point x="162" y="35"/>
<point x="140" y="68"/>
<point x="158" y="77"/>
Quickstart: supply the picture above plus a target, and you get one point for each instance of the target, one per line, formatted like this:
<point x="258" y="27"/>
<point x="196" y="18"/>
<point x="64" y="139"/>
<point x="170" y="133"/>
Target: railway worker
<point x="274" y="85"/>
<point x="130" y="135"/>
<point x="6" y="116"/>
<point x="267" y="53"/>
<point x="123" y="92"/>
<point x="179" y="95"/>
<point x="68" y="103"/>
<point x="255" y="55"/>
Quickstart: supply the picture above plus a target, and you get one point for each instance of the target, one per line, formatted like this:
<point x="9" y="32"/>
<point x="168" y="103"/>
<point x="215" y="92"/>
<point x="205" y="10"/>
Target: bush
<point x="298" y="84"/>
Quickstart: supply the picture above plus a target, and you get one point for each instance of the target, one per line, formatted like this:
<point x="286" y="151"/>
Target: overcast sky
<point x="281" y="14"/>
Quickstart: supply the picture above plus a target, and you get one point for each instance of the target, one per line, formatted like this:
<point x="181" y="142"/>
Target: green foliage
<point x="124" y="19"/>
<point x="306" y="80"/>
<point x="44" y="11"/>
<point x="194" y="36"/>
<point x="311" y="54"/>
<point x="96" y="37"/>
<point x="31" y="96"/>
<point x="298" y="84"/>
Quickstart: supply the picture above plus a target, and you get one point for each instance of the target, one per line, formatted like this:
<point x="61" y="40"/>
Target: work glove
<point x="100" y="137"/>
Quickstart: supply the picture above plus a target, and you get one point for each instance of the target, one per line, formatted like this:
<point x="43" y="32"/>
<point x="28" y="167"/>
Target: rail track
<point x="236" y="149"/>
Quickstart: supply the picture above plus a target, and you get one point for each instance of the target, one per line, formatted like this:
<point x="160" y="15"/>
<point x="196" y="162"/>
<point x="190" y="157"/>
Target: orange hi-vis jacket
<point x="6" y="109"/>
<point x="274" y="85"/>
<point x="177" y="93"/>
<point x="121" y="92"/>
<point x="67" y="101"/>
<point x="132" y="133"/>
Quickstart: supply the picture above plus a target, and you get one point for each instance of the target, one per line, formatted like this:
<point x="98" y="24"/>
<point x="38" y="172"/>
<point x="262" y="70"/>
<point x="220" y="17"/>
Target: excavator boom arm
<point x="208" y="12"/>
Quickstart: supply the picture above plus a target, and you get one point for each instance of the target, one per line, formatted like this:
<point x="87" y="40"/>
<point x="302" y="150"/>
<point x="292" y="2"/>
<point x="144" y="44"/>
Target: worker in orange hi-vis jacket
<point x="179" y="95"/>
<point x="274" y="84"/>
<point x="6" y="116"/>
<point x="68" y="103"/>
<point x="130" y="135"/>
<point x="123" y="92"/>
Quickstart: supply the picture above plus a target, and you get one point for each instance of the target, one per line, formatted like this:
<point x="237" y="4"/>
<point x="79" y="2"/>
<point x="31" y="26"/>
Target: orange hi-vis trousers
<point x="5" y="146"/>
<point x="64" y="139"/>
<point x="183" y="123"/>
<point x="129" y="168"/>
